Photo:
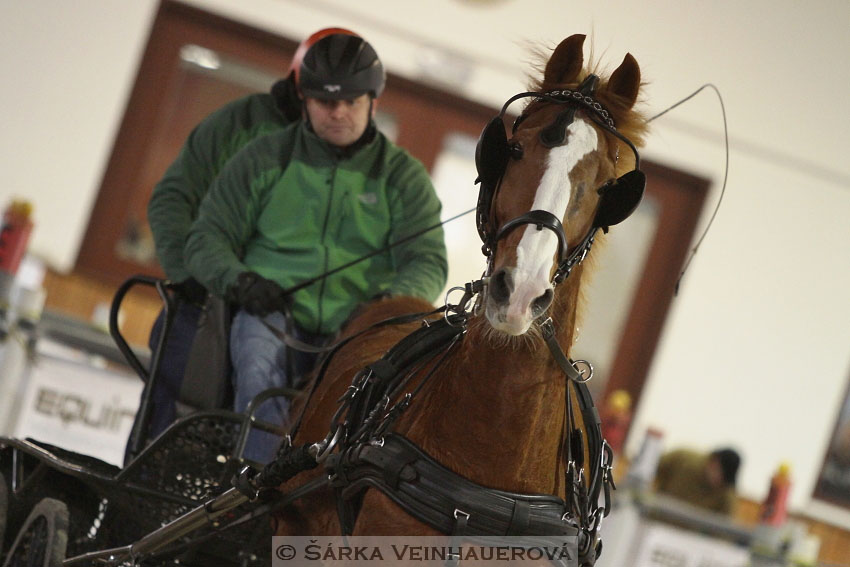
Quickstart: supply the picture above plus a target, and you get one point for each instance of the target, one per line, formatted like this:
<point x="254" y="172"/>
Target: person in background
<point x="325" y="191"/>
<point x="703" y="480"/>
<point x="174" y="204"/>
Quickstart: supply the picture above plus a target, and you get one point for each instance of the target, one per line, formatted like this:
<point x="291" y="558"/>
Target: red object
<point x="14" y="235"/>
<point x="615" y="425"/>
<point x="616" y="416"/>
<point x="774" y="509"/>
<point x="295" y="66"/>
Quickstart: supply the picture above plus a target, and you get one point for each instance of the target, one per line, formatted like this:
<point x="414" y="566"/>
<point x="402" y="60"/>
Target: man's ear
<point x="374" y="106"/>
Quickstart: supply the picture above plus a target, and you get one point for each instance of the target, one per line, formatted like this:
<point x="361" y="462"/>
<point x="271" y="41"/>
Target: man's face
<point x="339" y="122"/>
<point x="714" y="473"/>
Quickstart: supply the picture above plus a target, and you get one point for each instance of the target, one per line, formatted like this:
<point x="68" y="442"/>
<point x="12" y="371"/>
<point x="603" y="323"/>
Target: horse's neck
<point x="496" y="412"/>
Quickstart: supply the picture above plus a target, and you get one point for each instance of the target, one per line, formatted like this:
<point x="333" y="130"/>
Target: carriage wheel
<point x="42" y="540"/>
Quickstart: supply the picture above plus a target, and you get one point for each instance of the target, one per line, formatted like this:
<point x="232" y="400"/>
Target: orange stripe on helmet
<point x="304" y="46"/>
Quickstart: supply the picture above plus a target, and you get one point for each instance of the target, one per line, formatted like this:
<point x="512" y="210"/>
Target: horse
<point x="492" y="406"/>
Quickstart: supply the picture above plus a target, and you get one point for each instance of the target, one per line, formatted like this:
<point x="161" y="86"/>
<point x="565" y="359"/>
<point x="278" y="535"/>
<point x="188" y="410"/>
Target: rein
<point x="408" y="238"/>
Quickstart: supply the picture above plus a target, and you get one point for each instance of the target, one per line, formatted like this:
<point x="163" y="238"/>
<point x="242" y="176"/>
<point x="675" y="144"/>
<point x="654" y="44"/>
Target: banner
<point x="665" y="546"/>
<point x="79" y="407"/>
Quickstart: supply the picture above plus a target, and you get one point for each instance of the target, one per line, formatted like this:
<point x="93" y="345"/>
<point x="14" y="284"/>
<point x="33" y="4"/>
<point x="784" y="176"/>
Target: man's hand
<point x="258" y="295"/>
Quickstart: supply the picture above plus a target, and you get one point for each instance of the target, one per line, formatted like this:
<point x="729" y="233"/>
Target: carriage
<point x="57" y="504"/>
<point x="470" y="420"/>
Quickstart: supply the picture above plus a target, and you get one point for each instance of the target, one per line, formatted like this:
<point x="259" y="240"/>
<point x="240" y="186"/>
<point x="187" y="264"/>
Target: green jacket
<point x="175" y="200"/>
<point x="290" y="207"/>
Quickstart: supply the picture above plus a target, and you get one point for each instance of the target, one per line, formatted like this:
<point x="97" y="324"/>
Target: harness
<point x="362" y="451"/>
<point x="439" y="497"/>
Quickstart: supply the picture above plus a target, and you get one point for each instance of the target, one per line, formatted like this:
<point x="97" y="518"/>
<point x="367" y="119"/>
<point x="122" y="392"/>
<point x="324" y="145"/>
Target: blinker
<point x="619" y="198"/>
<point x="492" y="152"/>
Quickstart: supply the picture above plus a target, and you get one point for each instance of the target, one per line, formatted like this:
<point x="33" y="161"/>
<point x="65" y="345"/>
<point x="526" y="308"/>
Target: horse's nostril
<point x="542" y="303"/>
<point x="501" y="286"/>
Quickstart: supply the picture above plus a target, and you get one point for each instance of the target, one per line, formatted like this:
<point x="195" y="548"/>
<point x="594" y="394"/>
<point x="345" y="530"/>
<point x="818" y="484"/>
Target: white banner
<point x="665" y="546"/>
<point x="79" y="407"/>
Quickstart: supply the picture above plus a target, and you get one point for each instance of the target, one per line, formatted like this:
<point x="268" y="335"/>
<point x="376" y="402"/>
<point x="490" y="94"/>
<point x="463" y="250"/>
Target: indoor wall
<point x="756" y="349"/>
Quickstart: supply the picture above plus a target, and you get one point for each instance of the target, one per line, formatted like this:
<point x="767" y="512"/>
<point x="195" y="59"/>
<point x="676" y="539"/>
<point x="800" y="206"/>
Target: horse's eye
<point x="515" y="150"/>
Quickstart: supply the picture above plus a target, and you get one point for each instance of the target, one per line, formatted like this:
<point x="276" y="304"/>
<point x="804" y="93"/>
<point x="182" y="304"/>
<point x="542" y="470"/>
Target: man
<point x="292" y="205"/>
<point x="703" y="480"/>
<point x="174" y="205"/>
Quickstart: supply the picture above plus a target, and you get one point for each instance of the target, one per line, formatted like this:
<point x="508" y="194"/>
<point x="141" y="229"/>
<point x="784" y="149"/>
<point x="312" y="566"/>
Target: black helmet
<point x="341" y="66"/>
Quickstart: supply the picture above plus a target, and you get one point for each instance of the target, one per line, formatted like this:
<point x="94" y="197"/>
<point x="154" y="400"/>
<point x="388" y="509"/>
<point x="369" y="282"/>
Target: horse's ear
<point x="566" y="61"/>
<point x="625" y="81"/>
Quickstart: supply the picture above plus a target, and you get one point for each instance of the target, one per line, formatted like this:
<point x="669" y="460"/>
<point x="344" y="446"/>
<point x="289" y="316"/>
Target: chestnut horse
<point x="498" y="406"/>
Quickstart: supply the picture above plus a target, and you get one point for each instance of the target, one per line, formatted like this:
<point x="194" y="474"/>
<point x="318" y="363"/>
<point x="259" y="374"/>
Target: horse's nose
<point x="542" y="303"/>
<point x="501" y="286"/>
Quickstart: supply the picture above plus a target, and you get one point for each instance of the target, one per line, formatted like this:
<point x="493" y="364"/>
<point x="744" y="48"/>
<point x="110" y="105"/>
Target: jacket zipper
<point x="326" y="252"/>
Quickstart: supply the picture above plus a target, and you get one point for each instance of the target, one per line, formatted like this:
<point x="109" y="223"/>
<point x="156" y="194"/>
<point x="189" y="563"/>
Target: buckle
<point x="581" y="367"/>
<point x="322" y="450"/>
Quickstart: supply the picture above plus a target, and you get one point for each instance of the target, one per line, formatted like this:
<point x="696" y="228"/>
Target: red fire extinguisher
<point x="774" y="508"/>
<point x="14" y="235"/>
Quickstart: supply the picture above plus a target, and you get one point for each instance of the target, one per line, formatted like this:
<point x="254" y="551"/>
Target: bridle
<point x="618" y="197"/>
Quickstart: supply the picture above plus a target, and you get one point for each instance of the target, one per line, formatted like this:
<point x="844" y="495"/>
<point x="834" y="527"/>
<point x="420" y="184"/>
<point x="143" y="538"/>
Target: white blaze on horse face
<point x="537" y="247"/>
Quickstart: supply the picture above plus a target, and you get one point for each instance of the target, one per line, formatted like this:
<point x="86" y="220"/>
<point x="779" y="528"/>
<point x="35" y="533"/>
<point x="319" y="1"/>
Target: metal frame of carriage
<point x="59" y="507"/>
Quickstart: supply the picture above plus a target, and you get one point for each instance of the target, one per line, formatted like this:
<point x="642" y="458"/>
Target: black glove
<point x="191" y="291"/>
<point x="257" y="295"/>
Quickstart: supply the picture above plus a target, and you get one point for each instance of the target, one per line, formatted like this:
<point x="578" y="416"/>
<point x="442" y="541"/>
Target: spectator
<point x="703" y="480"/>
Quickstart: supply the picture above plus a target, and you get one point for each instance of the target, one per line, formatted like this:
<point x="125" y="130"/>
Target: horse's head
<point x="548" y="187"/>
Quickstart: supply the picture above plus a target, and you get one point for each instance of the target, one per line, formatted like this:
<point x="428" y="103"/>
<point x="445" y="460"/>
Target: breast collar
<point x="372" y="455"/>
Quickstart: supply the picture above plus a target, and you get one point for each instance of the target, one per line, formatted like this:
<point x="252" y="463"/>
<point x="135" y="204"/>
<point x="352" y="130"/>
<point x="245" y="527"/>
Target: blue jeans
<point x="260" y="362"/>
